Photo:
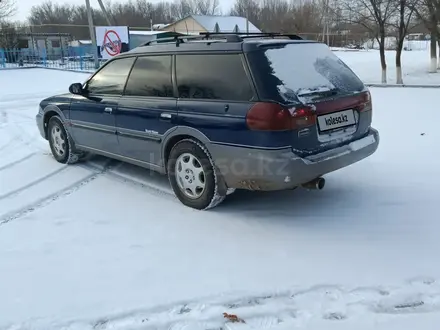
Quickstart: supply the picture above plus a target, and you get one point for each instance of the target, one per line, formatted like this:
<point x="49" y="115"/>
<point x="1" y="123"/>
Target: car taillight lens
<point x="266" y="116"/>
<point x="303" y="117"/>
<point x="366" y="104"/>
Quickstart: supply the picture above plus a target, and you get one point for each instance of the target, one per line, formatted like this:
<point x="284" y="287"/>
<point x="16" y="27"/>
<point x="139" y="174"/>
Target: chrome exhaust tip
<point x="316" y="184"/>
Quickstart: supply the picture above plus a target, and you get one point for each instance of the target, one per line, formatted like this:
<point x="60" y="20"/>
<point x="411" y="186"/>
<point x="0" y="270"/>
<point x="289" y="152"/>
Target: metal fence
<point x="72" y="58"/>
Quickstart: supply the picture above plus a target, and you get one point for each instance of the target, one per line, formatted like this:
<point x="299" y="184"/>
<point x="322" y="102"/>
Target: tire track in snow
<point x="33" y="183"/>
<point x="142" y="185"/>
<point x="45" y="201"/>
<point x="28" y="139"/>
<point x="18" y="138"/>
<point x="16" y="130"/>
<point x="329" y="303"/>
<point x="3" y="118"/>
<point x="7" y="144"/>
<point x="96" y="171"/>
<point x="18" y="161"/>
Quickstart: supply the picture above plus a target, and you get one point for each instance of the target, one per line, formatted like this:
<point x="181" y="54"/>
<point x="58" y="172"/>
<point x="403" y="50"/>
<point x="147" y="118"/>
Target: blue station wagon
<point x="218" y="112"/>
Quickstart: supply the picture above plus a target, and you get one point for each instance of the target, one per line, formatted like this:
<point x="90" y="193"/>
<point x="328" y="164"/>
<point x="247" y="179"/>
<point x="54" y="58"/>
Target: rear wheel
<point x="193" y="176"/>
<point x="60" y="142"/>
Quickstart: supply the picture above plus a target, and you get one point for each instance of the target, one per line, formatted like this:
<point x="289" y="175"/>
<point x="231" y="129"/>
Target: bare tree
<point x="428" y="11"/>
<point x="405" y="21"/>
<point x="8" y="35"/>
<point x="307" y="16"/>
<point x="49" y="17"/>
<point x="249" y="9"/>
<point x="182" y="8"/>
<point x="375" y="16"/>
<point x="50" y="13"/>
<point x="325" y="18"/>
<point x="207" y="7"/>
<point x="7" y="8"/>
<point x="276" y="15"/>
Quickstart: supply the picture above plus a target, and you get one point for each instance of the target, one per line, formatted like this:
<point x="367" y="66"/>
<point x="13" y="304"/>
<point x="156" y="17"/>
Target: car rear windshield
<point x="292" y="72"/>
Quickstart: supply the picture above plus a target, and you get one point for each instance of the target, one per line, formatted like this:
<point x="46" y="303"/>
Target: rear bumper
<point x="245" y="168"/>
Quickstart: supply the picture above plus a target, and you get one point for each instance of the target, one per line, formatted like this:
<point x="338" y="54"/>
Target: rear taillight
<point x="303" y="117"/>
<point x="366" y="104"/>
<point x="266" y="116"/>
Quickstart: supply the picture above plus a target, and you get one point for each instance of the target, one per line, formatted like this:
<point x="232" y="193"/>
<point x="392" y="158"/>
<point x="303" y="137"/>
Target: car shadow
<point x="131" y="173"/>
<point x="335" y="200"/>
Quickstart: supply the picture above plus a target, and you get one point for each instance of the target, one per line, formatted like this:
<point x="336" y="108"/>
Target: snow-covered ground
<point x="415" y="66"/>
<point x="105" y="245"/>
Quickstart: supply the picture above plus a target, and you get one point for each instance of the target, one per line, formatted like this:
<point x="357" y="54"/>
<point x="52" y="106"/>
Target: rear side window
<point x="287" y="72"/>
<point x="151" y="76"/>
<point x="217" y="77"/>
<point x="111" y="78"/>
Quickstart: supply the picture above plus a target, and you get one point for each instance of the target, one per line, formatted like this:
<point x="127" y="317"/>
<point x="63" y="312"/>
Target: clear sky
<point x="24" y="6"/>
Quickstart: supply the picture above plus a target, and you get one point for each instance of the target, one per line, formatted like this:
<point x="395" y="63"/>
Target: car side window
<point x="111" y="78"/>
<point x="212" y="76"/>
<point x="151" y="76"/>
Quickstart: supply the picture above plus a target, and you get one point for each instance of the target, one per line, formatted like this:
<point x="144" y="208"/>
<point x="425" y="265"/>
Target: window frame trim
<point x="86" y="83"/>
<point x="153" y="97"/>
<point x="254" y="97"/>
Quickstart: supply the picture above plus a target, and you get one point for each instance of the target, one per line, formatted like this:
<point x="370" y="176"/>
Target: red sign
<point x="112" y="43"/>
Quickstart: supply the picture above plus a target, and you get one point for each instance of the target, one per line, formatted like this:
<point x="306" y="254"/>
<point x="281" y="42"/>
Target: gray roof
<point x="225" y="23"/>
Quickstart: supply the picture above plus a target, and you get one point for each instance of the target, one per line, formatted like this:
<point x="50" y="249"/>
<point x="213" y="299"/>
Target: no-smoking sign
<point x="110" y="39"/>
<point x="112" y="43"/>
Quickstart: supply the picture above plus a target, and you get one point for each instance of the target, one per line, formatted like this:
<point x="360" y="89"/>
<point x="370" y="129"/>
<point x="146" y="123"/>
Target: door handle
<point x="165" y="115"/>
<point x="108" y="110"/>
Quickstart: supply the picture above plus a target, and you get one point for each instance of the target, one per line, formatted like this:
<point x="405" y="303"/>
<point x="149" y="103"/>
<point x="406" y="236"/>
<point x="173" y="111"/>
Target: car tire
<point x="193" y="176"/>
<point x="60" y="142"/>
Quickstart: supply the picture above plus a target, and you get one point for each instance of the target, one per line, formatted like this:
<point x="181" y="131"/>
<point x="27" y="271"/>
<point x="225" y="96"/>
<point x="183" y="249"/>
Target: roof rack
<point x="209" y="37"/>
<point x="182" y="39"/>
<point x="243" y="35"/>
<point x="177" y="39"/>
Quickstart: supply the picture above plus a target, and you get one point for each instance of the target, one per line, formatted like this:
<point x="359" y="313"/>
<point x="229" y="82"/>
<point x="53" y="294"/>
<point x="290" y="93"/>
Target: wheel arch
<point x="179" y="134"/>
<point x="49" y="112"/>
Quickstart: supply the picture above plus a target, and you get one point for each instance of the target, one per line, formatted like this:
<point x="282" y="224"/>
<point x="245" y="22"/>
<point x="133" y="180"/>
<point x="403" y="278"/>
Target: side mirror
<point x="76" y="89"/>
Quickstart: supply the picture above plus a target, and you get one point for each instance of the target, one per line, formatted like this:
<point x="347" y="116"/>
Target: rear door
<point x="93" y="114"/>
<point x="215" y="94"/>
<point x="147" y="111"/>
<point x="309" y="76"/>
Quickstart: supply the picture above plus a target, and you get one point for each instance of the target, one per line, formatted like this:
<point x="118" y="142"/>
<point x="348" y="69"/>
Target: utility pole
<point x="92" y="27"/>
<point x="105" y="12"/>
<point x="92" y="34"/>
<point x="247" y="19"/>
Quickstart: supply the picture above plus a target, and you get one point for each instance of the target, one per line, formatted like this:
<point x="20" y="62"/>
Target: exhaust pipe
<point x="317" y="184"/>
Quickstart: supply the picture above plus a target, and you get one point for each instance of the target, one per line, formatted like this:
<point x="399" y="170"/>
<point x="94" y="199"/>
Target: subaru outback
<point x="218" y="112"/>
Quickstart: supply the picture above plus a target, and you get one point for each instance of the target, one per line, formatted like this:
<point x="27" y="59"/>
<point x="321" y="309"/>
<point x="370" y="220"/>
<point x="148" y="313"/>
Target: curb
<point x="20" y="68"/>
<point x="68" y="70"/>
<point x="42" y="67"/>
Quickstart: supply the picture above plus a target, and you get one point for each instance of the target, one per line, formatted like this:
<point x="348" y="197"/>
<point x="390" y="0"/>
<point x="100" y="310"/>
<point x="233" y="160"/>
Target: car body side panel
<point x="92" y="125"/>
<point x="59" y="104"/>
<point x="141" y="123"/>
<point x="224" y="122"/>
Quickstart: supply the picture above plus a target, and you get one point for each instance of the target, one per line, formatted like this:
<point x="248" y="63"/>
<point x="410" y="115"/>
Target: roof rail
<point x="181" y="39"/>
<point x="217" y="36"/>
<point x="176" y="39"/>
<point x="243" y="35"/>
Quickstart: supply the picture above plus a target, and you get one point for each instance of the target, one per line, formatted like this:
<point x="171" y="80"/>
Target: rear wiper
<point x="318" y="92"/>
